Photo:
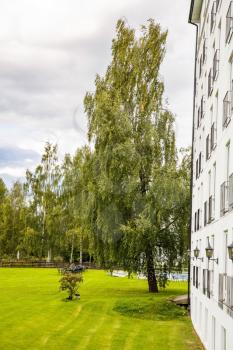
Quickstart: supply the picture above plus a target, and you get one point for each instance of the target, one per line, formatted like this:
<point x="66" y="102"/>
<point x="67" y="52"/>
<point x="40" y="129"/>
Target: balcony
<point x="227" y="108"/>
<point x="229" y="23"/>
<point x="225" y="293"/>
<point x="216" y="65"/>
<point x="224" y="200"/>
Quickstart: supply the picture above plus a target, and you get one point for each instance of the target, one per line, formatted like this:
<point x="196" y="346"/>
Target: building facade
<point x="212" y="183"/>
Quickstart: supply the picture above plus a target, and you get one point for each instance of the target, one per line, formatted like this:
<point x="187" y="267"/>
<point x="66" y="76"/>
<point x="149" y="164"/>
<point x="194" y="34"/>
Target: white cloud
<point x="51" y="51"/>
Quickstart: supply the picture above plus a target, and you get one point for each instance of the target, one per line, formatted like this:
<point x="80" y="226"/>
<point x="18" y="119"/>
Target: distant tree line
<point x="122" y="201"/>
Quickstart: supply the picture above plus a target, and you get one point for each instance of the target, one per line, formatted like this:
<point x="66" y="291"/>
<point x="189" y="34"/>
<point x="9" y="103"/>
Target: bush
<point x="71" y="283"/>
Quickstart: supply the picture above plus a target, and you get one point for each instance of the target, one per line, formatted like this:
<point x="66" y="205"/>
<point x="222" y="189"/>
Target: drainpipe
<point x="192" y="152"/>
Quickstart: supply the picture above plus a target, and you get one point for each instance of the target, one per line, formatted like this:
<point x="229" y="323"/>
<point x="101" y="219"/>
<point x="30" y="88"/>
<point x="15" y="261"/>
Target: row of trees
<point x="40" y="218"/>
<point x="124" y="199"/>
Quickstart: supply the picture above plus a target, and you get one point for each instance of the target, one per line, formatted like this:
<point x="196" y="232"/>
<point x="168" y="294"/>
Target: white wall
<point x="205" y="312"/>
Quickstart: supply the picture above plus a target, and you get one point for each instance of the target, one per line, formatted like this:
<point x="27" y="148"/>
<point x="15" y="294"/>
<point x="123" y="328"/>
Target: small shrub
<point x="71" y="283"/>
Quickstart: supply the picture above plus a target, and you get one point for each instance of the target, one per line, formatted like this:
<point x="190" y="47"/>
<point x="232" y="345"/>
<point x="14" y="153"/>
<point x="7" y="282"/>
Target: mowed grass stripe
<point x="113" y="313"/>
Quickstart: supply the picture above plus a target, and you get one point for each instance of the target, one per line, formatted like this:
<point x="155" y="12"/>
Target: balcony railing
<point x="213" y="137"/>
<point x="216" y="65"/>
<point x="229" y="23"/>
<point x="227" y="108"/>
<point x="224" y="202"/>
<point x="213" y="17"/>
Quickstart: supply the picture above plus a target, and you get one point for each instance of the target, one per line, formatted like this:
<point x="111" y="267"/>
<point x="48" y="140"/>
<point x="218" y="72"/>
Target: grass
<point x="113" y="313"/>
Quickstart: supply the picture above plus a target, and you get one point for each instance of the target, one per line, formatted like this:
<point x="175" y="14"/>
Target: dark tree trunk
<point x="151" y="277"/>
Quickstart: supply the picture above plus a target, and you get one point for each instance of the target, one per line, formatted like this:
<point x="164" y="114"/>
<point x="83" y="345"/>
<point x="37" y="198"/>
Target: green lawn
<point x="113" y="313"/>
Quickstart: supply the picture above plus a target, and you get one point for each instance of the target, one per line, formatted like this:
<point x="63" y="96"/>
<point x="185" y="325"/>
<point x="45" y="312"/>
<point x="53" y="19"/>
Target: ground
<point x="113" y="313"/>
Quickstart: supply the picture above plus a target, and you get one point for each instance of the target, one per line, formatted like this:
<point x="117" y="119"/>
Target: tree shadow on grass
<point x="150" y="309"/>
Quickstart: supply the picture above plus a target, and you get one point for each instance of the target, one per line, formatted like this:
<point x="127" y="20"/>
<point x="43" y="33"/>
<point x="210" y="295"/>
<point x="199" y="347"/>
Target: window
<point x="213" y="17"/>
<point x="204" y="280"/>
<point x="208" y="148"/>
<point x="200" y="163"/>
<point x="210" y="83"/>
<point x="206" y="324"/>
<point x="196" y="285"/>
<point x="213" y="333"/>
<point x="223" y="339"/>
<point x="229" y="300"/>
<point x="200" y="66"/>
<point x="212" y="197"/>
<point x="220" y="290"/>
<point x="229" y="23"/>
<point x="200" y="315"/>
<point x="231" y="191"/>
<point x="224" y="202"/>
<point x="228" y="160"/>
<point x="224" y="198"/>
<point x="213" y="136"/>
<point x="227" y="108"/>
<point x="202" y="107"/>
<point x="208" y="290"/>
<point x="199" y="117"/>
<point x="216" y="65"/>
<point x="197" y="169"/>
<point x="205" y="213"/>
<point x="211" y="209"/>
<point x="204" y="51"/>
<point x="198" y="219"/>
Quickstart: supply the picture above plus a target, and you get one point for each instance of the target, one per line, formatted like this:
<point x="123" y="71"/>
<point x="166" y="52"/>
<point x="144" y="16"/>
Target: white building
<point x="212" y="185"/>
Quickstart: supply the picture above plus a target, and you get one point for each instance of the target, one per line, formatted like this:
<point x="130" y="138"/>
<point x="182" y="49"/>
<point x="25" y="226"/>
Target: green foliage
<point x="70" y="282"/>
<point x="138" y="189"/>
<point x="125" y="200"/>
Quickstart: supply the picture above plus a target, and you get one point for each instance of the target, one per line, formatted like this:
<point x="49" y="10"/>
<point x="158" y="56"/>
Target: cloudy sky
<point x="50" y="52"/>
